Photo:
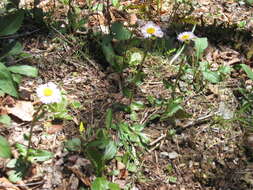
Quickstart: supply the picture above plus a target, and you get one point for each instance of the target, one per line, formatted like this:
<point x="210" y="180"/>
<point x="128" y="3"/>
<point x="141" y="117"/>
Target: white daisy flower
<point x="49" y="93"/>
<point x="185" y="36"/>
<point x="150" y="29"/>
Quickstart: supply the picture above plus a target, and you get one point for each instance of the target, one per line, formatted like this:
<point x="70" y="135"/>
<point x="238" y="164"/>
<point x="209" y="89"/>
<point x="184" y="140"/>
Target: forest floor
<point x="203" y="152"/>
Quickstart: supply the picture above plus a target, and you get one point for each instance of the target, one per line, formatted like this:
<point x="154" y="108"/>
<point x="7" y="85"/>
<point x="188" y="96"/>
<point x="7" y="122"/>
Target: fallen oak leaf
<point x="23" y="110"/>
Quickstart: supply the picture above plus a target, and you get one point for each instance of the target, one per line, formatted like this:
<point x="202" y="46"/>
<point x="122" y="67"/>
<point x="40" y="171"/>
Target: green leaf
<point x="134" y="116"/>
<point x="203" y="66"/>
<point x="137" y="105"/>
<point x="247" y="70"/>
<point x="200" y="46"/>
<point x="16" y="78"/>
<point x="225" y="69"/>
<point x="96" y="158"/>
<point x="12" y="163"/>
<point x="11" y="22"/>
<point x="73" y="144"/>
<point x="5" y="119"/>
<point x="13" y="48"/>
<point x="115" y="2"/>
<point x="110" y="150"/>
<point x="34" y="155"/>
<point x="22" y="149"/>
<point x="168" y="84"/>
<point x="5" y="149"/>
<point x="6" y="83"/>
<point x="40" y="156"/>
<point x="114" y="186"/>
<point x="76" y="104"/>
<point x="15" y="176"/>
<point x="249" y="2"/>
<point x="100" y="183"/>
<point x="171" y="109"/>
<point x="108" y="119"/>
<point x="172" y="179"/>
<point x="120" y="32"/>
<point x="211" y="76"/>
<point x="24" y="70"/>
<point x="1" y="93"/>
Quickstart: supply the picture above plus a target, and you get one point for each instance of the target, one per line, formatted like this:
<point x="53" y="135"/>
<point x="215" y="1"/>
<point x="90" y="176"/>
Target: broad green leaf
<point x="172" y="179"/>
<point x="13" y="48"/>
<point x="22" y="149"/>
<point x="211" y="76"/>
<point x="73" y="144"/>
<point x="137" y="105"/>
<point x="120" y="32"/>
<point x="34" y="155"/>
<point x="249" y="2"/>
<point x="108" y="119"/>
<point x="12" y="163"/>
<point x="203" y="66"/>
<point x="110" y="150"/>
<point x="5" y="119"/>
<point x="6" y="83"/>
<point x="134" y="116"/>
<point x="1" y="93"/>
<point x="115" y="2"/>
<point x="24" y="70"/>
<point x="247" y="70"/>
<point x="20" y="169"/>
<point x="100" y="183"/>
<point x="225" y="69"/>
<point x="200" y="46"/>
<point x="40" y="156"/>
<point x="76" y="104"/>
<point x="16" y="78"/>
<point x="168" y="84"/>
<point x="96" y="158"/>
<point x="15" y="176"/>
<point x="108" y="50"/>
<point x="5" y="149"/>
<point x="11" y="22"/>
<point x="171" y="109"/>
<point x="113" y="186"/>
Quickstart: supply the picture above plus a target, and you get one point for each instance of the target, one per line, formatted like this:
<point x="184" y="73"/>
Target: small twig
<point x="158" y="139"/>
<point x="199" y="120"/>
<point x="152" y="149"/>
<point x="196" y="122"/>
<point x="2" y="185"/>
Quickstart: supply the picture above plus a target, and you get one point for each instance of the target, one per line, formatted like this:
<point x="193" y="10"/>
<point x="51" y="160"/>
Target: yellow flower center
<point x="48" y="92"/>
<point x="185" y="37"/>
<point x="150" y="30"/>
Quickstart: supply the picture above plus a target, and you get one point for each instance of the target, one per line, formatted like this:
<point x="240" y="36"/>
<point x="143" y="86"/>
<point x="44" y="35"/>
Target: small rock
<point x="173" y="155"/>
<point x="164" y="154"/>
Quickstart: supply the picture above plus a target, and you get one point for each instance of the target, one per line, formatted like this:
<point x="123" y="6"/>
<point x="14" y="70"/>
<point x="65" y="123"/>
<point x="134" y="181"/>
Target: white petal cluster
<point x="49" y="93"/>
<point x="151" y="29"/>
<point x="185" y="36"/>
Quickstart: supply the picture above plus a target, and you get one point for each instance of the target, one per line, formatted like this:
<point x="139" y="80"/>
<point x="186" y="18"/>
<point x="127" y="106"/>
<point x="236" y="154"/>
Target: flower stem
<point x="179" y="71"/>
<point x="177" y="79"/>
<point x="35" y="118"/>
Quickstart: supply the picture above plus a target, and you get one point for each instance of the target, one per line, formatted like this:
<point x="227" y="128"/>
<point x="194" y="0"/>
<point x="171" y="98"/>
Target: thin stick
<point x="158" y="139"/>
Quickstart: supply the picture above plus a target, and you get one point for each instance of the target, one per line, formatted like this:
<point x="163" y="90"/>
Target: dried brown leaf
<point x="23" y="110"/>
